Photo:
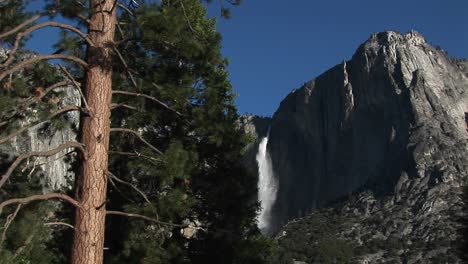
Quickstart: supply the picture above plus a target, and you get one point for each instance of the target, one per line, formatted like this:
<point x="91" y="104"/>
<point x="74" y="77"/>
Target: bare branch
<point x="26" y="243"/>
<point x="125" y="9"/>
<point x="147" y="97"/>
<point x="144" y="218"/>
<point x="33" y="99"/>
<point x="59" y="223"/>
<point x="37" y="58"/>
<point x="22" y="25"/>
<point x="114" y="106"/>
<point x="131" y="186"/>
<point x="126" y="130"/>
<point x="26" y="127"/>
<point x="130" y="75"/>
<point x="135" y="154"/>
<point x="66" y="145"/>
<point x="76" y="85"/>
<point x="9" y="220"/>
<point x="39" y="197"/>
<point x="28" y="31"/>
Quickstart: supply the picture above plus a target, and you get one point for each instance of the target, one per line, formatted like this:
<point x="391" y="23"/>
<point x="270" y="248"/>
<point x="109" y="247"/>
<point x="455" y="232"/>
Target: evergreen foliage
<point x="196" y="185"/>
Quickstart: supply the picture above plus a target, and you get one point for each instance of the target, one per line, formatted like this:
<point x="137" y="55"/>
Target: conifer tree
<point x="170" y="149"/>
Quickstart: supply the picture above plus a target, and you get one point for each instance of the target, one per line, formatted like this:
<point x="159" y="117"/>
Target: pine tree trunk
<point x="91" y="185"/>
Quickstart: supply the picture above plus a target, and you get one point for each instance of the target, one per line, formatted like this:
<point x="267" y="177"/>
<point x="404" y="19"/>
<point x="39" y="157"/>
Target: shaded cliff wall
<point x="396" y="109"/>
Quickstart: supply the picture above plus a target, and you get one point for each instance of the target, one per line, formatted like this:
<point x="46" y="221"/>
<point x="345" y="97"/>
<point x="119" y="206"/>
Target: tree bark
<point x="91" y="185"/>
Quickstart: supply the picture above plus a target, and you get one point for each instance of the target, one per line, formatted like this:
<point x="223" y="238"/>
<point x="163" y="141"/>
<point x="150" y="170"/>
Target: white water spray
<point x="267" y="185"/>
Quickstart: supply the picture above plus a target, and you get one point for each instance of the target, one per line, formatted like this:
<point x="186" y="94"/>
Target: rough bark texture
<point x="92" y="183"/>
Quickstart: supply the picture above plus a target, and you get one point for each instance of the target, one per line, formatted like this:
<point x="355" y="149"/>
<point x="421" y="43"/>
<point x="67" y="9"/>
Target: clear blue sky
<point x="276" y="46"/>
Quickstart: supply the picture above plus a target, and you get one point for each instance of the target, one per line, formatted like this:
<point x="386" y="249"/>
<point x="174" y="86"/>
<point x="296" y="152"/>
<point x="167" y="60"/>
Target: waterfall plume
<point x="267" y="185"/>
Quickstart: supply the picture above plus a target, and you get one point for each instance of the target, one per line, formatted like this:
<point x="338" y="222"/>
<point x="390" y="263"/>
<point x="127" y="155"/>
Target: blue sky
<point x="276" y="46"/>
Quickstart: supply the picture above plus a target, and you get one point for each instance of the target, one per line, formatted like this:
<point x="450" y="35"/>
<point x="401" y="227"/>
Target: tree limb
<point x="9" y="220"/>
<point x="134" y="154"/>
<point x="39" y="197"/>
<point x="22" y="25"/>
<point x="114" y="106"/>
<point x="130" y="185"/>
<point x="68" y="144"/>
<point x="28" y="31"/>
<point x="144" y="218"/>
<point x="34" y="59"/>
<point x="126" y="130"/>
<point x="76" y="85"/>
<point x="59" y="223"/>
<point x="26" y="127"/>
<point x="147" y="97"/>
<point x="130" y="75"/>
<point x="33" y="99"/>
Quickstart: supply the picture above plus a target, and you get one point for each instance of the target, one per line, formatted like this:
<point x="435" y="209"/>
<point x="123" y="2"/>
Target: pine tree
<point x="173" y="147"/>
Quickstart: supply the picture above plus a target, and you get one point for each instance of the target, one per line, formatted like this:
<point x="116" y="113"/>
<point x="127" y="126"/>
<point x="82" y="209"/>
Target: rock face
<point x="392" y="121"/>
<point x="55" y="170"/>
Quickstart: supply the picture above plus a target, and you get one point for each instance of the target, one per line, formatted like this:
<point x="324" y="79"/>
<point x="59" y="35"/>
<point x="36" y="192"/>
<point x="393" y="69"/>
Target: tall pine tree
<point x="179" y="193"/>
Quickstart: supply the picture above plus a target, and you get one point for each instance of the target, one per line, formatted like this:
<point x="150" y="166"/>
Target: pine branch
<point x="130" y="185"/>
<point x="33" y="99"/>
<point x="37" y="58"/>
<point x="25" y="23"/>
<point x="20" y="158"/>
<point x="28" y="31"/>
<point x="39" y="197"/>
<point x="9" y="220"/>
<point x="126" y="130"/>
<point x="114" y="106"/>
<point x="125" y="9"/>
<point x="135" y="154"/>
<point x="77" y="86"/>
<point x="148" y="97"/>
<point x="59" y="223"/>
<point x="130" y="75"/>
<point x="26" y="127"/>
<point x="145" y="218"/>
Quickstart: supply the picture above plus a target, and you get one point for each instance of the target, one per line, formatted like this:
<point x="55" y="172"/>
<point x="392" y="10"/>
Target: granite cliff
<point x="382" y="140"/>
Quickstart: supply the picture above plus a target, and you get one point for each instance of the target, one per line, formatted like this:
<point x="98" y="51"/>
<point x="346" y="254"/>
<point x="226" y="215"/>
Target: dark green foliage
<point x="28" y="239"/>
<point x="317" y="241"/>
<point x="11" y="13"/>
<point x="173" y="54"/>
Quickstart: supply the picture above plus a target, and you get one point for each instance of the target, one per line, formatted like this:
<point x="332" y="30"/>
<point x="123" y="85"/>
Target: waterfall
<point x="267" y="185"/>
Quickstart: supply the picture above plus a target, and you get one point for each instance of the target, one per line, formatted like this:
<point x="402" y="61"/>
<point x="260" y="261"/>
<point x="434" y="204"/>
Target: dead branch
<point x="9" y="220"/>
<point x="37" y="58"/>
<point x="28" y="31"/>
<point x="125" y="9"/>
<point x="147" y="97"/>
<point x="39" y="197"/>
<point x="66" y="145"/>
<point x="26" y="127"/>
<point x="33" y="99"/>
<point x="135" y="154"/>
<point x="130" y="185"/>
<point x="114" y="106"/>
<point x="76" y="85"/>
<point x="26" y="243"/>
<point x="130" y="75"/>
<point x="145" y="218"/>
<point x="126" y="130"/>
<point x="22" y="25"/>
<point x="59" y="223"/>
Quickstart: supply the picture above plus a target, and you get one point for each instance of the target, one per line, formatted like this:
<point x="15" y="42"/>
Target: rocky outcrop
<point x="391" y="122"/>
<point x="56" y="169"/>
